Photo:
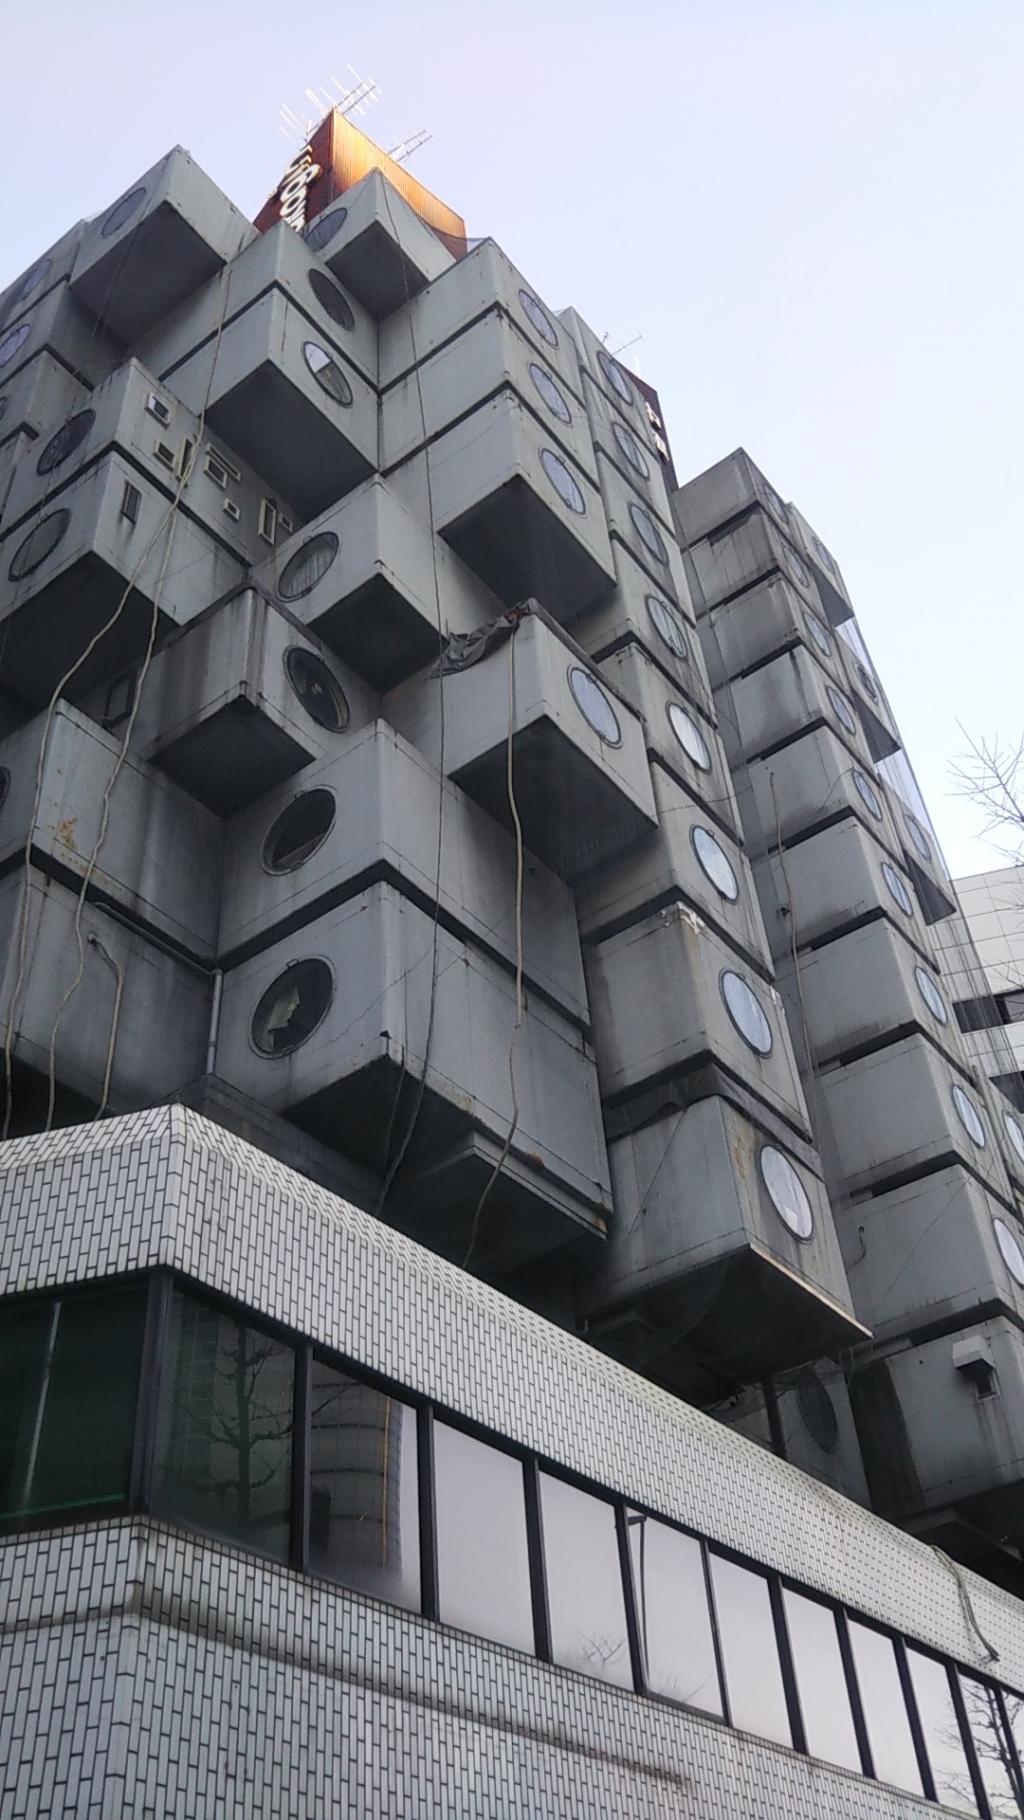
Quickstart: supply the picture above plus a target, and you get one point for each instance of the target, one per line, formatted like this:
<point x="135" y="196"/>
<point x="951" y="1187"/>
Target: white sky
<point x="810" y="213"/>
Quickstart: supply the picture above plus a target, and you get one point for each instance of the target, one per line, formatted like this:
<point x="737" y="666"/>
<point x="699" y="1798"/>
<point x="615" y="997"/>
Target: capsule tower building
<point x="511" y="1283"/>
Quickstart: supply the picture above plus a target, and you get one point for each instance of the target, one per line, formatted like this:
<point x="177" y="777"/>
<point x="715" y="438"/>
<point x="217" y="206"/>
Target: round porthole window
<point x="1014" y="1133"/>
<point x="299" y="830"/>
<point x="33" y="278"/>
<point x="969" y="1116"/>
<point x="538" y="316"/>
<point x="615" y="376"/>
<point x="1010" y="1251"/>
<point x="867" y="682"/>
<point x="773" y="502"/>
<point x="123" y="211"/>
<point x="308" y="566"/>
<point x="562" y="481"/>
<point x="550" y="393"/>
<point x="318" y="691"/>
<point x="332" y="301"/>
<point x="630" y="450"/>
<point x="4" y="402"/>
<point x="817" y="1410"/>
<point x="918" y="836"/>
<point x="5" y="784"/>
<point x="325" y="228"/>
<point x="689" y="736"/>
<point x="797" y="569"/>
<point x="38" y="545"/>
<point x="292" y="1007"/>
<point x="595" y="706"/>
<point x="786" y="1191"/>
<point x="868" y="795"/>
<point x="744" y="1008"/>
<point x="932" y="996"/>
<point x="327" y="373"/>
<point x="648" y="533"/>
<point x="897" y="889"/>
<point x="818" y="634"/>
<point x="669" y="626"/>
<point x="823" y="555"/>
<point x="842" y="710"/>
<point x="715" y="864"/>
<point x="12" y="341"/>
<point x="67" y="439"/>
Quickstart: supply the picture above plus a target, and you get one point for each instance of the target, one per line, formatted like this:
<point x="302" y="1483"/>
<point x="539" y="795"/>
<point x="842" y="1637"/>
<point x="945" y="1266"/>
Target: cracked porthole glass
<point x="648" y="533"/>
<point x="745" y="1010"/>
<point x="817" y="632"/>
<point x="797" y="569"/>
<point x="298" y="831"/>
<point x="318" y="691"/>
<point x="786" y="1191"/>
<point x="669" y="626"/>
<point x="327" y="373"/>
<point x="538" y="316"/>
<point x="562" y="481"/>
<point x="550" y="393"/>
<point x="308" y="566"/>
<point x="595" y="706"/>
<point x="292" y="1007"/>
<point x="630" y="450"/>
<point x="615" y="376"/>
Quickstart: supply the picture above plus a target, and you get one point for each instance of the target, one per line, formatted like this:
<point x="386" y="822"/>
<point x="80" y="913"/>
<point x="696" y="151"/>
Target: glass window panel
<point x="821" y="1681"/>
<point x="363" y="1487"/>
<point x="673" y="1614"/>
<point x="482" y="1561"/>
<point x="585" y="1597"/>
<point x="224" y="1432"/>
<point x="885" y="1711"/>
<point x="943" y="1742"/>
<point x="70" y="1375"/>
<point x="753" y="1676"/>
<point x="1003" y="1779"/>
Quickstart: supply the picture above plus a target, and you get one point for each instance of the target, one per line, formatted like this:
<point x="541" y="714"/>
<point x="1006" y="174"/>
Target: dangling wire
<point x="108" y="1068"/>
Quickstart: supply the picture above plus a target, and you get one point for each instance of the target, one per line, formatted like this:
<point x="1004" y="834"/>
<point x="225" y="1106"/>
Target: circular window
<point x="550" y="393"/>
<point x="308" y="566"/>
<point x="123" y="211"/>
<point x="4" y="402"/>
<point x="1010" y="1251"/>
<point x="689" y="735"/>
<point x="325" y="228"/>
<point x="897" y="889"/>
<point x="867" y="682"/>
<point x="932" y="996"/>
<point x="5" y="784"/>
<point x="744" y="1008"/>
<point x="562" y="481"/>
<point x="318" y="691"/>
<point x="67" y="440"/>
<point x="331" y="300"/>
<point x="715" y="863"/>
<point x="773" y="502"/>
<point x="817" y="1409"/>
<point x="796" y="568"/>
<point x="786" y="1191"/>
<point x="534" y="313"/>
<point x="292" y="1007"/>
<point x="842" y="710"/>
<point x="648" y="533"/>
<point x="630" y="449"/>
<point x="37" y="546"/>
<point x="615" y="376"/>
<point x="594" y="706"/>
<point x="32" y="280"/>
<point x="12" y="341"/>
<point x="918" y="836"/>
<point x="669" y="626"/>
<point x="1010" y="1125"/>
<point x="298" y="831"/>
<point x="327" y="373"/>
<point x="823" y="555"/>
<point x="818" y="634"/>
<point x="969" y="1116"/>
<point x="868" y="795"/>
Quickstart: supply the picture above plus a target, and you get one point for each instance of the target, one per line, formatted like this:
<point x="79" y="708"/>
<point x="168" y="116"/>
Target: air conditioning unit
<point x="278" y="261"/>
<point x="287" y="399"/>
<point x="362" y="577"/>
<point x="827" y="575"/>
<point x="807" y="784"/>
<point x="169" y="233"/>
<point x="489" y="357"/>
<point x="726" y="492"/>
<point x="627" y="449"/>
<point x="329" y="1027"/>
<point x="903" y="1111"/>
<point x="52" y="268"/>
<point x="769" y="619"/>
<point x="722" y="1260"/>
<point x="784" y="698"/>
<point x="669" y="997"/>
<point x="58" y="325"/>
<point x="378" y="246"/>
<point x="42" y="391"/>
<point x="158" y="857"/>
<point x="752" y="549"/>
<point x="633" y="522"/>
<point x="687" y="860"/>
<point x="681" y="740"/>
<point x="516" y="509"/>
<point x="598" y="364"/>
<point x="580" y="775"/>
<point x="833" y="881"/>
<point x="242" y="701"/>
<point x="374" y="811"/>
<point x="138" y="1007"/>
<point x="110" y="552"/>
<point x="862" y="989"/>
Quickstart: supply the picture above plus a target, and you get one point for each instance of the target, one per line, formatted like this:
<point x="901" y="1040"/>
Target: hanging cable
<point x="108" y="1067"/>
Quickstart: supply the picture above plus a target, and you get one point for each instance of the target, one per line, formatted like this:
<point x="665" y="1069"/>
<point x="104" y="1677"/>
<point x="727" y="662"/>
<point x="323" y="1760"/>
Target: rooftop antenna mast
<point x="351" y="98"/>
<point x="403" y="151"/>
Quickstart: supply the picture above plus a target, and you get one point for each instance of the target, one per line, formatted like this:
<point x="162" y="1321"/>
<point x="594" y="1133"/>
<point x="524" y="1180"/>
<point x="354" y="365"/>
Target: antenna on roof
<point x="351" y="98"/>
<point x="403" y="151"/>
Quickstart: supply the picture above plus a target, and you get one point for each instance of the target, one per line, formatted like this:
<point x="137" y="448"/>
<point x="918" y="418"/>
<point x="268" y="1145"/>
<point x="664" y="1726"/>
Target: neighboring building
<point x="410" y="806"/>
<point x="991" y="1011"/>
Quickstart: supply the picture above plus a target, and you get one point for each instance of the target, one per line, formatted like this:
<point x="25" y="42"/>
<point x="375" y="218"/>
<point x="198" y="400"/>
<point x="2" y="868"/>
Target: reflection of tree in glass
<point x="999" y="1772"/>
<point x="599" y="1653"/>
<point x="355" y="1461"/>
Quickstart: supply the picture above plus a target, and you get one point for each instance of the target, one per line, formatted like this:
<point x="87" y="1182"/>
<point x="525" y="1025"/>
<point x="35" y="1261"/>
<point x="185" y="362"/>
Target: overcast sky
<point x="808" y="212"/>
